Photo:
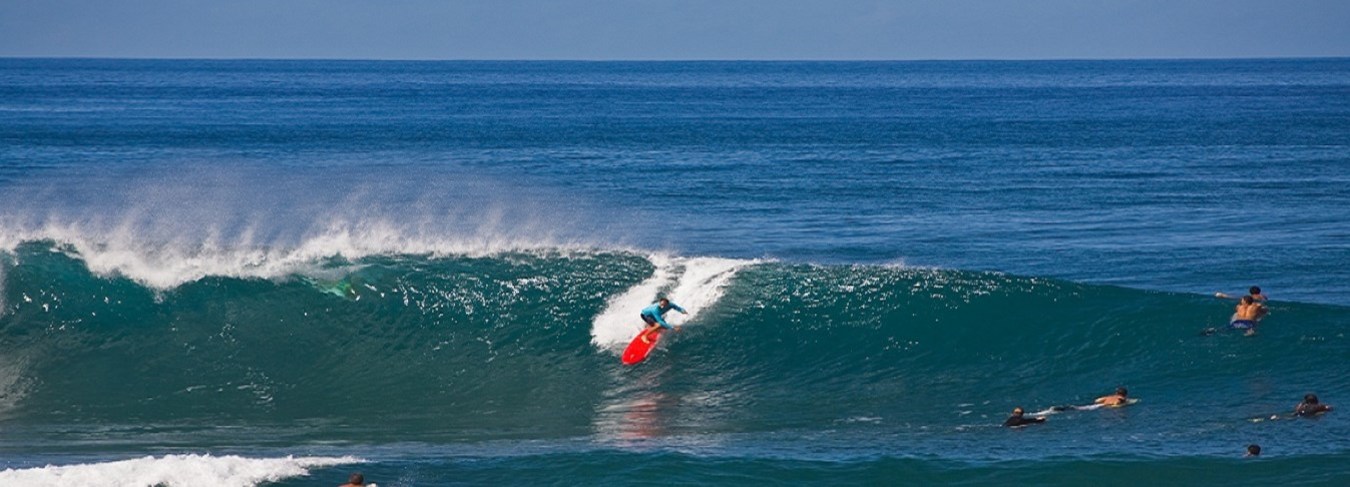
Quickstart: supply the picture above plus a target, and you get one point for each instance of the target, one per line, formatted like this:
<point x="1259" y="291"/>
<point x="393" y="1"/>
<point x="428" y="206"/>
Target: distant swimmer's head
<point x="1254" y="291"/>
<point x="1247" y="300"/>
<point x="1120" y="391"/>
<point x="1310" y="399"/>
<point x="1253" y="450"/>
<point x="356" y="479"/>
<point x="1018" y="412"/>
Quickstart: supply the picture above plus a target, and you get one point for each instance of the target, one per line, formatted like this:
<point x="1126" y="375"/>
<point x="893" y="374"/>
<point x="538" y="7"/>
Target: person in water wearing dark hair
<point x="1254" y="292"/>
<point x="1310" y="406"/>
<point x="356" y="480"/>
<point x="654" y="316"/>
<point x="1253" y="450"/>
<point x="1117" y="399"/>
<point x="1247" y="315"/>
<point x="1018" y="418"/>
<point x="1250" y="310"/>
<point x="1120" y="398"/>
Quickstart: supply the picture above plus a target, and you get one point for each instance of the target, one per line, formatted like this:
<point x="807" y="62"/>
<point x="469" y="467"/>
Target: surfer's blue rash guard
<point x="654" y="311"/>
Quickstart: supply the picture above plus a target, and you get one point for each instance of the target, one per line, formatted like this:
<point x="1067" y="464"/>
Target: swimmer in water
<point x="1310" y="407"/>
<point x="1018" y="418"/>
<point x="1120" y="398"/>
<point x="1253" y="450"/>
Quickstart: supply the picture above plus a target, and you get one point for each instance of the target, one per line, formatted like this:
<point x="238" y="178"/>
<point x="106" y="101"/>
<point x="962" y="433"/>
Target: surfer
<point x="1120" y="398"/>
<point x="1253" y="450"/>
<point x="1247" y="314"/>
<point x="1117" y="399"/>
<point x="1310" y="407"/>
<point x="1254" y="292"/>
<point x="1018" y="419"/>
<point x="654" y="316"/>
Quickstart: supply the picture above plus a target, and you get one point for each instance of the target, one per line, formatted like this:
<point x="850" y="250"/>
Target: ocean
<point x="277" y="273"/>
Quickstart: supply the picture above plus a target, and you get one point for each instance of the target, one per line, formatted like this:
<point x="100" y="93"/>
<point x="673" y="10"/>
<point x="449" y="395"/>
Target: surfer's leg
<point x="651" y="326"/>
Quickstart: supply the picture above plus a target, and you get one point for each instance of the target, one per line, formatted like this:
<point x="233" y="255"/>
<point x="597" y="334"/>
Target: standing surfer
<point x="654" y="316"/>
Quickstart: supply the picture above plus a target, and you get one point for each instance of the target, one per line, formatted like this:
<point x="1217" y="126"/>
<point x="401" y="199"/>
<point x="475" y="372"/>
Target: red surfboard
<point x="637" y="351"/>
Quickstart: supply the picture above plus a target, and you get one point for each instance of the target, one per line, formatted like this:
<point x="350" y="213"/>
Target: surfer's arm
<point x="660" y="320"/>
<point x="677" y="307"/>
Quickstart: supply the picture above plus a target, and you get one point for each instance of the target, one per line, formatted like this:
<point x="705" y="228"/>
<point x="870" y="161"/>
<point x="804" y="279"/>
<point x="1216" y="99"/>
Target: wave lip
<point x="167" y="265"/>
<point x="172" y="471"/>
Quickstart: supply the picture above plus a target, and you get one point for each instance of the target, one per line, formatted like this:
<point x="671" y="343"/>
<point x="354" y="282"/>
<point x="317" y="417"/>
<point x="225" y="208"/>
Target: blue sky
<point x="691" y="29"/>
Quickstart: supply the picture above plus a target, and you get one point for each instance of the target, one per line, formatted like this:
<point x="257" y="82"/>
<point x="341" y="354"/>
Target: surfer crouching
<point x="654" y="316"/>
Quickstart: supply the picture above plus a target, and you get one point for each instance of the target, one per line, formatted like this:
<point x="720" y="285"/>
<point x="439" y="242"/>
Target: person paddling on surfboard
<point x="1019" y="419"/>
<point x="1254" y="292"/>
<point x="654" y="316"/>
<point x="1120" y="398"/>
<point x="1310" y="407"/>
<point x="1247" y="315"/>
<point x="1250" y="310"/>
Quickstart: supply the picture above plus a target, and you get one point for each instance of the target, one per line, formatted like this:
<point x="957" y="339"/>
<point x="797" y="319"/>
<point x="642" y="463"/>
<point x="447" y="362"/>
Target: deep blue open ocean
<point x="277" y="273"/>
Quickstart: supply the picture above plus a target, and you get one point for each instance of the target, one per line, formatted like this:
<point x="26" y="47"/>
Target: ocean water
<point x="279" y="272"/>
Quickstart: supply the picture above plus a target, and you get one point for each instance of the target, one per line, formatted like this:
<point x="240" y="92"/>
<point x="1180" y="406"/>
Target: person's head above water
<point x="1310" y="399"/>
<point x="356" y="479"/>
<point x="1254" y="291"/>
<point x="1120" y="391"/>
<point x="1017" y="411"/>
<point x="1246" y="300"/>
<point x="1253" y="450"/>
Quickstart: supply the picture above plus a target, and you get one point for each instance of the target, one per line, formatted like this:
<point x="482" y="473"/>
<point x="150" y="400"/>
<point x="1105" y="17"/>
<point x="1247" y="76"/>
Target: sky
<point x="675" y="30"/>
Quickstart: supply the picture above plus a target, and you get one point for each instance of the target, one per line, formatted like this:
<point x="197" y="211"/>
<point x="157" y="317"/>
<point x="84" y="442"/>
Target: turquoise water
<point x="424" y="271"/>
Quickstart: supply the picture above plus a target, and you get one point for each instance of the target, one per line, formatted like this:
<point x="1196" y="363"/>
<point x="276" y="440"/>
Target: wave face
<point x="864" y="360"/>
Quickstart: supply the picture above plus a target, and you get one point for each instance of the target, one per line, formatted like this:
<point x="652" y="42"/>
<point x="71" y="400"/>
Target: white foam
<point x="170" y="224"/>
<point x="167" y="264"/>
<point x="693" y="283"/>
<point x="172" y="471"/>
